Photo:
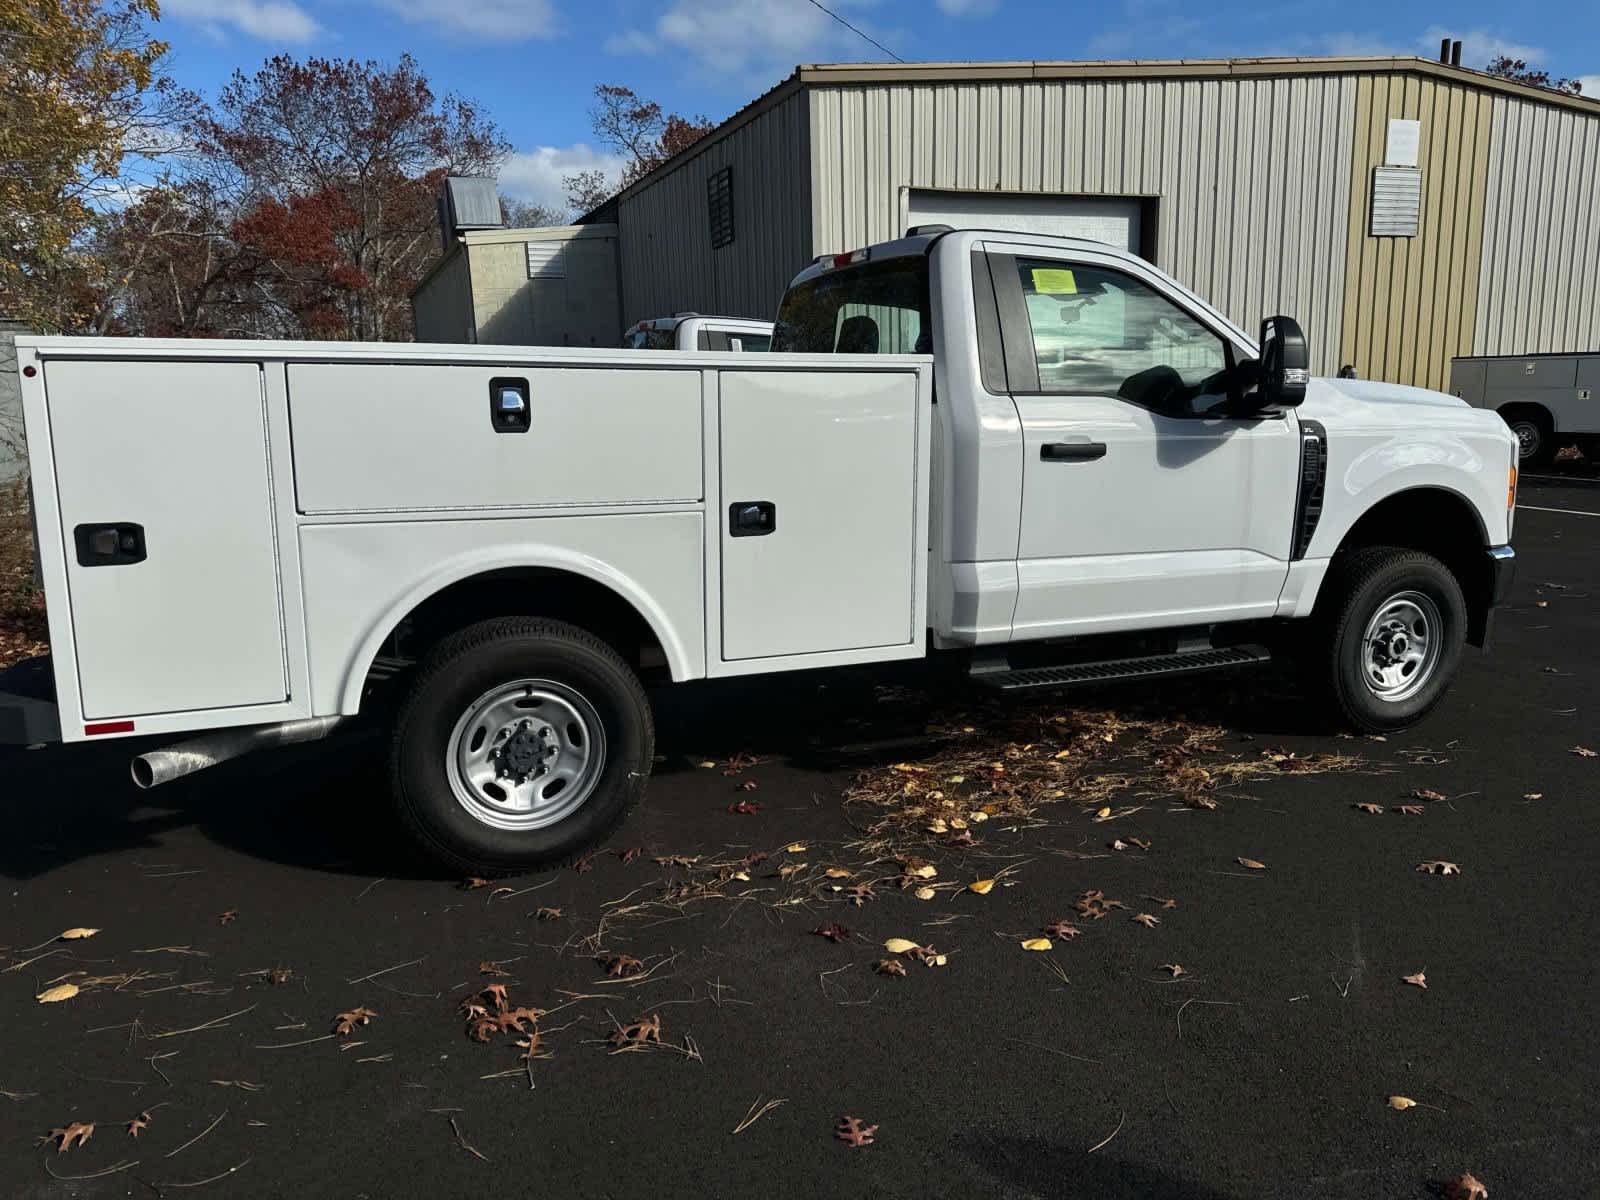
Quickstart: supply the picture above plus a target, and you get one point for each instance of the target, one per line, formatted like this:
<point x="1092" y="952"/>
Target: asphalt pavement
<point x="1263" y="1070"/>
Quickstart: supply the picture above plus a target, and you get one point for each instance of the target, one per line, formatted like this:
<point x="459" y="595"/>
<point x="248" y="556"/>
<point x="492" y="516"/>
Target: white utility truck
<point x="1085" y="475"/>
<point x="691" y="331"/>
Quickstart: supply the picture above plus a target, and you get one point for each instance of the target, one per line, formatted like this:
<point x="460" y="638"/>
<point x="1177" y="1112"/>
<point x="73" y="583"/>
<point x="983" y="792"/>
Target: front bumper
<point x="1502" y="572"/>
<point x="28" y="704"/>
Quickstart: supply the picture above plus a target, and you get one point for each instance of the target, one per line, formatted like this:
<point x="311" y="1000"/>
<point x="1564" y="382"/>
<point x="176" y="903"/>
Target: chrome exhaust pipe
<point x="185" y="758"/>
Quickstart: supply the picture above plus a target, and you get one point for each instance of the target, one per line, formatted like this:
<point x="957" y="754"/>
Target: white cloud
<point x="1478" y="46"/>
<point x="507" y="20"/>
<point x="1591" y="85"/>
<point x="269" y="20"/>
<point x="741" y="36"/>
<point x="967" y="8"/>
<point x="535" y="175"/>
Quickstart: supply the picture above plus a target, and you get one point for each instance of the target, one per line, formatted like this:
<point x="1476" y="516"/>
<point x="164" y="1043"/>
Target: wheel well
<point x="1439" y="523"/>
<point x="1526" y="408"/>
<point x="521" y="591"/>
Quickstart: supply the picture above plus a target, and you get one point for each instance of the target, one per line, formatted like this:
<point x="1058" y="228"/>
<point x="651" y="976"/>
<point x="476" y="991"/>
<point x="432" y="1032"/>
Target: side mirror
<point x="1285" y="363"/>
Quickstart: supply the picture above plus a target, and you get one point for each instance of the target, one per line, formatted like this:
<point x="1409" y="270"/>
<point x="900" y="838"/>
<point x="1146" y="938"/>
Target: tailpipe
<point x="185" y="758"/>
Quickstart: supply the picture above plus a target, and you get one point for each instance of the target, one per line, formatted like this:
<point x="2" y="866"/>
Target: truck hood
<point x="1375" y="392"/>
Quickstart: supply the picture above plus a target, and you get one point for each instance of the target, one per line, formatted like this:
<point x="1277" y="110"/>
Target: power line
<point x="858" y="33"/>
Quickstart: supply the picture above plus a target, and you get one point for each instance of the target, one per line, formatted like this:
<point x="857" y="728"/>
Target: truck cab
<point x="691" y="331"/>
<point x="1112" y="458"/>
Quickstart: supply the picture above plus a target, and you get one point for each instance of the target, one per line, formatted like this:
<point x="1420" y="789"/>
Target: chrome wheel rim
<point x="526" y="754"/>
<point x="1401" y="646"/>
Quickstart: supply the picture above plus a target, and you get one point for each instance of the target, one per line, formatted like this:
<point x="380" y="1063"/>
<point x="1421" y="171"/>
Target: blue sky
<point x="533" y="63"/>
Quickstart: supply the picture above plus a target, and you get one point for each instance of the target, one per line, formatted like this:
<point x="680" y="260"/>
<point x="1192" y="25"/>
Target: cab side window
<point x="1098" y="332"/>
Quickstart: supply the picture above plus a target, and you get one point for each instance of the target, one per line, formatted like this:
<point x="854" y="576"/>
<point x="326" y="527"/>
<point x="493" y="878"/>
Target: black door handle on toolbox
<point x="1072" y="451"/>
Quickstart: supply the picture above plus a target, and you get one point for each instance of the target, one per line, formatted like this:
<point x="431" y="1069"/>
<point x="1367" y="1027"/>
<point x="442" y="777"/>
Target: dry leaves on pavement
<point x="344" y="1024"/>
<point x="1438" y="867"/>
<point x="1251" y="864"/>
<point x="54" y="995"/>
<point x="1147" y="920"/>
<point x="1065" y="930"/>
<point x="67" y="1136"/>
<point x="636" y="1035"/>
<point x="833" y="931"/>
<point x="139" y="1124"/>
<point x="853" y="1131"/>
<point x="76" y="934"/>
<point x="1419" y="980"/>
<point x="1465" y="1186"/>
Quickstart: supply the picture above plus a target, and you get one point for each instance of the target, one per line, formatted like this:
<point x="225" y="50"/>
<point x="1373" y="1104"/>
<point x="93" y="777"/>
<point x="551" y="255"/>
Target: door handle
<point x="752" y="518"/>
<point x="116" y="545"/>
<point x="1072" y="451"/>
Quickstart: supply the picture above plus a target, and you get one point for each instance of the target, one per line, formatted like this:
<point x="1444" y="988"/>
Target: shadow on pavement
<point x="1036" y="1166"/>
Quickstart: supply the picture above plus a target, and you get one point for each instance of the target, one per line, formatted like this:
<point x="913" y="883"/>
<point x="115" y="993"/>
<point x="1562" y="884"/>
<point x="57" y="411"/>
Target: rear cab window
<point x="867" y="308"/>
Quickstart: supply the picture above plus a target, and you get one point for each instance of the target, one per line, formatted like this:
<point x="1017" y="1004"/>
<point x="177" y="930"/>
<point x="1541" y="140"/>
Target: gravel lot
<point x="1263" y="1070"/>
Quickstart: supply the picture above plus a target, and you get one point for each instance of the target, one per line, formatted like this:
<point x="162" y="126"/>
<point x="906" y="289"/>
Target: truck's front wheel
<point x="520" y="742"/>
<point x="1392" y="626"/>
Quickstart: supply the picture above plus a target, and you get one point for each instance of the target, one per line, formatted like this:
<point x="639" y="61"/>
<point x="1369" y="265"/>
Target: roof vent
<point x="466" y="203"/>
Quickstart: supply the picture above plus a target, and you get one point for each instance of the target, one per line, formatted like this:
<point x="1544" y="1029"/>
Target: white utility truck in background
<point x="1550" y="401"/>
<point x="1086" y="476"/>
<point x="691" y="331"/>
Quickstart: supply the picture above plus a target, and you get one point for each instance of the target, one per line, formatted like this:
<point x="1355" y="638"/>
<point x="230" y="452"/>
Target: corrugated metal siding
<point x="668" y="264"/>
<point x="1539" y="286"/>
<point x="1410" y="302"/>
<point x="1252" y="175"/>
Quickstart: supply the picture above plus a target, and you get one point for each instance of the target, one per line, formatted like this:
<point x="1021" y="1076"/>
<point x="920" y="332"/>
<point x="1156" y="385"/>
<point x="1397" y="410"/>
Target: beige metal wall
<point x="1410" y="303"/>
<point x="441" y="307"/>
<point x="1252" y="175"/>
<point x="668" y="264"/>
<point x="1539" y="286"/>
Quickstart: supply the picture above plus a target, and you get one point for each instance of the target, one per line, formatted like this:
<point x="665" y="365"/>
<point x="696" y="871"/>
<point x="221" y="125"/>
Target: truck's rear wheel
<point x="1392" y="624"/>
<point x="1536" y="439"/>
<point x="520" y="742"/>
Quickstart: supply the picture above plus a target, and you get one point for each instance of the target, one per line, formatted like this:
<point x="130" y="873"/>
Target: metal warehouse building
<point x="1405" y="211"/>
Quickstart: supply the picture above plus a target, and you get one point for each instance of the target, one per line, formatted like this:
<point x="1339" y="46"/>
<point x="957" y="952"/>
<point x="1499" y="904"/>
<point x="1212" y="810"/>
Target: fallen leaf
<point x="637" y="1034"/>
<point x="630" y="853"/>
<point x="529" y="1046"/>
<point x="68" y="1136"/>
<point x="1420" y="979"/>
<point x="1103" y="813"/>
<point x="1438" y="867"/>
<point x="517" y="1018"/>
<point x="547" y="913"/>
<point x="61" y="991"/>
<point x="1251" y="864"/>
<point x="899" y="945"/>
<point x="788" y="870"/>
<point x="1164" y="901"/>
<point x="1094" y="905"/>
<point x="795" y="848"/>
<point x="1119" y="844"/>
<point x="473" y="882"/>
<point x="890" y="966"/>
<point x="926" y="955"/>
<point x="1037" y="943"/>
<point x="749" y="785"/>
<point x="938" y="825"/>
<point x="833" y="931"/>
<point x="1065" y="930"/>
<point x="490" y="967"/>
<point x="859" y="893"/>
<point x="924" y="893"/>
<point x="977" y="816"/>
<point x="853" y="1131"/>
<point x="584" y="865"/>
<point x="1148" y="921"/>
<point x="922" y="871"/>
<point x="837" y="873"/>
<point x="1465" y="1186"/>
<point x="1585" y="752"/>
<point x="278" y="976"/>
<point x="982" y="887"/>
<point x="1172" y="969"/>
<point x="497" y="996"/>
<point x="1533" y="795"/>
<point x="754" y="859"/>
<point x="77" y="933"/>
<point x="1401" y="1103"/>
<point x="1429" y="795"/>
<point x="620" y="966"/>
<point x="744" y="807"/>
<point x="345" y="1022"/>
<point x="1375" y="809"/>
<point x="139" y="1124"/>
<point x="1410" y="810"/>
<point x="229" y="917"/>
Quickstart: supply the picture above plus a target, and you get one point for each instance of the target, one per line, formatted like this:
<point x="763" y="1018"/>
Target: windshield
<point x="873" y="308"/>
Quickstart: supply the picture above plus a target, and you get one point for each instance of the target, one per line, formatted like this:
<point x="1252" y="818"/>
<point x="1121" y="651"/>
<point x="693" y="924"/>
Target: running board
<point x="1115" y="669"/>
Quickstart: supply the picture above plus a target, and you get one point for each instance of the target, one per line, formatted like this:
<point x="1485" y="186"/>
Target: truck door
<point x="1138" y="511"/>
<point x="166" y="513"/>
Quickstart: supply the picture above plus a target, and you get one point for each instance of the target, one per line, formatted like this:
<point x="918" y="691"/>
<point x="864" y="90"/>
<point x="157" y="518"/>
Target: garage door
<point x="1112" y="219"/>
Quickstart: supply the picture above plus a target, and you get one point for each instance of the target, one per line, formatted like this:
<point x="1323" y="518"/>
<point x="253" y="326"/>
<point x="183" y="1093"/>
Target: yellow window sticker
<point x="1054" y="281"/>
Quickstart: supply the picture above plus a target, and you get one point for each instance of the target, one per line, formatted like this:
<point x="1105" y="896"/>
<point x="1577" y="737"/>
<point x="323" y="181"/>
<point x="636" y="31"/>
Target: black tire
<point x="468" y="665"/>
<point x="1360" y="585"/>
<point x="1536" y="439"/>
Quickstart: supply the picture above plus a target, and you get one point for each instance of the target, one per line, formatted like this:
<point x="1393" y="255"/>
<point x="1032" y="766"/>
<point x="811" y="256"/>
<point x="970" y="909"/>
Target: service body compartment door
<point x="166" y="514"/>
<point x="823" y="519"/>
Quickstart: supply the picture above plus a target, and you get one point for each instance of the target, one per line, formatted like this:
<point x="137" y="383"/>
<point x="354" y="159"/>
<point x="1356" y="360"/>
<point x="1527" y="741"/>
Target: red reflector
<point x="108" y="727"/>
<point x="841" y="260"/>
